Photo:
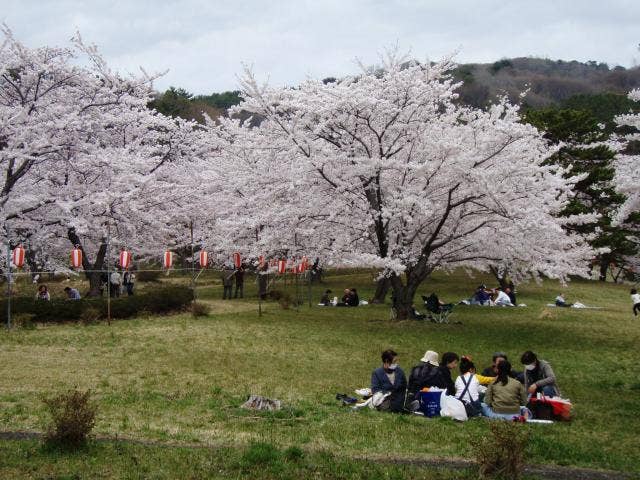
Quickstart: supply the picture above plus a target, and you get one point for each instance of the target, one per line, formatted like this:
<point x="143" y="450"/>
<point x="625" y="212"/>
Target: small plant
<point x="199" y="309"/>
<point x="501" y="454"/>
<point x="24" y="321"/>
<point x="90" y="316"/>
<point x="73" y="417"/>
<point x="261" y="453"/>
<point x="293" y="454"/>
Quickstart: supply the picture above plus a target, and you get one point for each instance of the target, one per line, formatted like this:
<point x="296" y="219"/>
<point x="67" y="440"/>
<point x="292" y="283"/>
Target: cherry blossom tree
<point x="385" y="169"/>
<point x="628" y="165"/>
<point x="83" y="155"/>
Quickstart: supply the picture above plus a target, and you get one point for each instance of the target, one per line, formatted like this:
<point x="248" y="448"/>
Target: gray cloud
<point x="203" y="43"/>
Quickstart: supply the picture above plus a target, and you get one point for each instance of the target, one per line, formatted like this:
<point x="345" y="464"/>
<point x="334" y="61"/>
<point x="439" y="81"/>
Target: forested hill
<point x="548" y="82"/>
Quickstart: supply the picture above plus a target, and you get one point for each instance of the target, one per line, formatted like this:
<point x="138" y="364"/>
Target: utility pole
<point x="108" y="260"/>
<point x="8" y="284"/>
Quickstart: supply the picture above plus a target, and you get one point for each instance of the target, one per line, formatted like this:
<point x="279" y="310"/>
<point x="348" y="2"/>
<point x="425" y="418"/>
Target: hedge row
<point x="161" y="300"/>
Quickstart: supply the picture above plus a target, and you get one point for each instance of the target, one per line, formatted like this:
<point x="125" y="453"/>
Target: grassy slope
<point x="177" y="378"/>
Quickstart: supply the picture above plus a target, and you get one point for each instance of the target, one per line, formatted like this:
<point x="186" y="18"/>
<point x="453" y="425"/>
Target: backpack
<point x="473" y="408"/>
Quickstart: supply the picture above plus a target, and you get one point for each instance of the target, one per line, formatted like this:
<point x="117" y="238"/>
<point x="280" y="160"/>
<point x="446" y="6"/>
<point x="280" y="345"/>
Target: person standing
<point x="263" y="281"/>
<point x="635" y="299"/>
<point x="115" y="280"/>
<point x="227" y="283"/>
<point x="240" y="281"/>
<point x="128" y="281"/>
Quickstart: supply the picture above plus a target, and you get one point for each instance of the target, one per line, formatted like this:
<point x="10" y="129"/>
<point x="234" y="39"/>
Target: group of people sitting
<point x="497" y="392"/>
<point x="503" y="297"/>
<point x="350" y="298"/>
<point x="43" y="293"/>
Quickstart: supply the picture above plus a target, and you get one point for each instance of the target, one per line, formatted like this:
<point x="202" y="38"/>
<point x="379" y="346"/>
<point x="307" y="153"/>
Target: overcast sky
<point x="204" y="43"/>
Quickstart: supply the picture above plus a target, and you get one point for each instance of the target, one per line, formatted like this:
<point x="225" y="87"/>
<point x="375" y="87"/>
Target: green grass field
<point x="177" y="379"/>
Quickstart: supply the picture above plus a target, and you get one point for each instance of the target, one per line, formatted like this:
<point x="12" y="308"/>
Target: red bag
<point x="560" y="409"/>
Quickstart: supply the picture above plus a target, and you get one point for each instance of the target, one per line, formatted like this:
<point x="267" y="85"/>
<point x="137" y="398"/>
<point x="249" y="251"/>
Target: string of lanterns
<point x="125" y="258"/>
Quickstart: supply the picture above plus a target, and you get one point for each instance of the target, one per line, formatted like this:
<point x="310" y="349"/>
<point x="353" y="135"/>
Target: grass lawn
<point x="180" y="379"/>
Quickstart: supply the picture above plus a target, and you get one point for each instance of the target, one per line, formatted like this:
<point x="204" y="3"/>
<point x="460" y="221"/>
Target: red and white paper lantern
<point x="125" y="259"/>
<point x="17" y="256"/>
<point x="167" y="259"/>
<point x="76" y="258"/>
<point x="204" y="259"/>
<point x="282" y="266"/>
<point x="261" y="261"/>
<point x="237" y="260"/>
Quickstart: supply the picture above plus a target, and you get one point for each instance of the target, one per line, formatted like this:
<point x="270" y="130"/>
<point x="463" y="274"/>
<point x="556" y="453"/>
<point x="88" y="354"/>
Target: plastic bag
<point x="452" y="407"/>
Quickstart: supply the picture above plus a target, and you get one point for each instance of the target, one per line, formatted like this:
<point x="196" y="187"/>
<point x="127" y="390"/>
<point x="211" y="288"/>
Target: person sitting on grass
<point x="72" y="293"/>
<point x="390" y="379"/>
<point x="502" y="299"/>
<point x="443" y="380"/>
<point x="415" y="314"/>
<point x="635" y="299"/>
<point x="43" y="293"/>
<point x="467" y="385"/>
<point x="421" y="376"/>
<point x="505" y="397"/>
<point x="561" y="302"/>
<point x="354" y="299"/>
<point x="539" y="376"/>
<point x="325" y="300"/>
<point x="482" y="296"/>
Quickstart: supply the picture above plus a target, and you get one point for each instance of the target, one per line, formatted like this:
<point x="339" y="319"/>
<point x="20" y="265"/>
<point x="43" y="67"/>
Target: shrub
<point x="73" y="417"/>
<point x="24" y="321"/>
<point x="90" y="316"/>
<point x="260" y="453"/>
<point x="160" y="300"/>
<point x="294" y="453"/>
<point x="283" y="298"/>
<point x="148" y="276"/>
<point x="501" y="454"/>
<point x="199" y="309"/>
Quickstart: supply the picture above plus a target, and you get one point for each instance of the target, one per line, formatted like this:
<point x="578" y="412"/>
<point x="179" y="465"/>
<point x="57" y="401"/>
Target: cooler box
<point x="430" y="403"/>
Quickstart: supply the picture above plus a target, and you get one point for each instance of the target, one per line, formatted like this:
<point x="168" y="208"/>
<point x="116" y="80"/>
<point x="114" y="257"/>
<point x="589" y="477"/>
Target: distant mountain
<point x="588" y="86"/>
<point x="549" y="82"/>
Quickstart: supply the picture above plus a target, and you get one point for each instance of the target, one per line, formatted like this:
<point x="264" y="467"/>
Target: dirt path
<point x="550" y="472"/>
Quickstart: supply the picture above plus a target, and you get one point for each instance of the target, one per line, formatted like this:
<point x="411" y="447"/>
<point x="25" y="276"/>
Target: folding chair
<point x="437" y="313"/>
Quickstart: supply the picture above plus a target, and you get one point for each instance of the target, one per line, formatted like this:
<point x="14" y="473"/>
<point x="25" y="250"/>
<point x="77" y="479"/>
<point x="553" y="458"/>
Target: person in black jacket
<point x="353" y="300"/>
<point x="422" y="375"/>
<point x="448" y="363"/>
<point x="390" y="378"/>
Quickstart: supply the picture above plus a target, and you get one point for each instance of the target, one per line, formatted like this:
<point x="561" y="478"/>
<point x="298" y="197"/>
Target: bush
<point x="261" y="453"/>
<point x="199" y="309"/>
<point x="501" y="454"/>
<point x="158" y="301"/>
<point x="90" y="316"/>
<point x="283" y="298"/>
<point x="24" y="321"/>
<point x="73" y="417"/>
<point x="148" y="276"/>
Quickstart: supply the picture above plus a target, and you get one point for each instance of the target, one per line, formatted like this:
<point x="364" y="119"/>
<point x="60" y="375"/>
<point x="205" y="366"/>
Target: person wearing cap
<point x="421" y="376"/>
<point x="539" y="376"/>
<point x="482" y="296"/>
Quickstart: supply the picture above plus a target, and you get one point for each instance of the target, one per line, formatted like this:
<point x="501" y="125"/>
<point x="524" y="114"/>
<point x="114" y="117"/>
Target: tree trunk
<point x="503" y="278"/>
<point x="403" y="294"/>
<point x="382" y="287"/>
<point x="604" y="266"/>
<point x="92" y="271"/>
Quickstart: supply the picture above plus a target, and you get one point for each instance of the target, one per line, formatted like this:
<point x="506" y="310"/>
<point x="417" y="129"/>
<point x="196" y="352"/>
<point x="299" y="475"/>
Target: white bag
<point x="452" y="407"/>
